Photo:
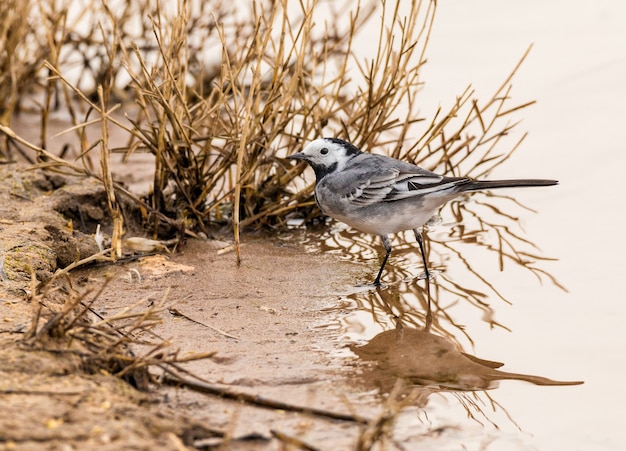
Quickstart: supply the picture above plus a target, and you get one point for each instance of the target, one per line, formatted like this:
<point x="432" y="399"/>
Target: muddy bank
<point x="49" y="402"/>
<point x="267" y="329"/>
<point x="264" y="321"/>
<point x="47" y="222"/>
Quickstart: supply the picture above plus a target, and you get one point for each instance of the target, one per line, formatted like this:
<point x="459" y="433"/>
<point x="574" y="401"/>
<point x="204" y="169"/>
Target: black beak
<point x="297" y="156"/>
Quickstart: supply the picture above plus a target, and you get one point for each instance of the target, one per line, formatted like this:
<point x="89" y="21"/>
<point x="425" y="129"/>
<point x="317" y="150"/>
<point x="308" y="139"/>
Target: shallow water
<point x="575" y="71"/>
<point x="366" y="313"/>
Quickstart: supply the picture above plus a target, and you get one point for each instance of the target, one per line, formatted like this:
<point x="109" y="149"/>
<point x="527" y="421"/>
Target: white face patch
<point x="323" y="153"/>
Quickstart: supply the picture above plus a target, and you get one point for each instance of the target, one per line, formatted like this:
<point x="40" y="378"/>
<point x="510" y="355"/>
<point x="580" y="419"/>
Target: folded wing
<point x="395" y="185"/>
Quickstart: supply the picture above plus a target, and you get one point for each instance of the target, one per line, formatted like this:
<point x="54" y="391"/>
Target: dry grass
<point x="218" y="95"/>
<point x="123" y="344"/>
<point x="21" y="55"/>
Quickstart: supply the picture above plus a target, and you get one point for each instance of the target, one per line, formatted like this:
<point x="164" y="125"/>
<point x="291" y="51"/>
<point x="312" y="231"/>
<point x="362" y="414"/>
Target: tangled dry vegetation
<point x="217" y="93"/>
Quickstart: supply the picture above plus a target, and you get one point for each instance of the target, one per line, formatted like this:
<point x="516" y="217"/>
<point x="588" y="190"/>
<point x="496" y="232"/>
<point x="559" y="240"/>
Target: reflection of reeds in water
<point x="406" y="299"/>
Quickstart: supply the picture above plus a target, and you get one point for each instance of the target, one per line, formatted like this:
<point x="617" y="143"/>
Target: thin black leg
<point x="429" y="313"/>
<point x="387" y="246"/>
<point x="420" y="242"/>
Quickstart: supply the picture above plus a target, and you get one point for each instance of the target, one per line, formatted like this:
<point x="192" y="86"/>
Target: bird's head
<point x="326" y="155"/>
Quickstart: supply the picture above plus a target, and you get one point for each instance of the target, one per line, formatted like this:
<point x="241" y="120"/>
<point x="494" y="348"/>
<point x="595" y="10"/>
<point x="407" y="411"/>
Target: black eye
<point x="324" y="150"/>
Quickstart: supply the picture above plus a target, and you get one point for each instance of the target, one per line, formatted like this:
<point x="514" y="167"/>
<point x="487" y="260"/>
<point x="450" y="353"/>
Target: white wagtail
<point x="381" y="195"/>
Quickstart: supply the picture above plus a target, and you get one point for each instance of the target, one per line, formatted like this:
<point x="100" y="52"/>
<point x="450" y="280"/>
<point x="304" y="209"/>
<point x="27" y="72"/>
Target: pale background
<point x="577" y="73"/>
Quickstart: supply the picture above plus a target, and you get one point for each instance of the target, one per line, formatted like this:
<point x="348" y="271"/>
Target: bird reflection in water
<point x="422" y="358"/>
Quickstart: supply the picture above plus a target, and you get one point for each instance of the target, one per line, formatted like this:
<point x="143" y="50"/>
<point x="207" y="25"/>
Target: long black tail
<point x="474" y="185"/>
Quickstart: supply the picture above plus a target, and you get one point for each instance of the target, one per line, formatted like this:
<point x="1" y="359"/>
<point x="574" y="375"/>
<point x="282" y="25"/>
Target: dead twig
<point x="173" y="378"/>
<point x="177" y="313"/>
